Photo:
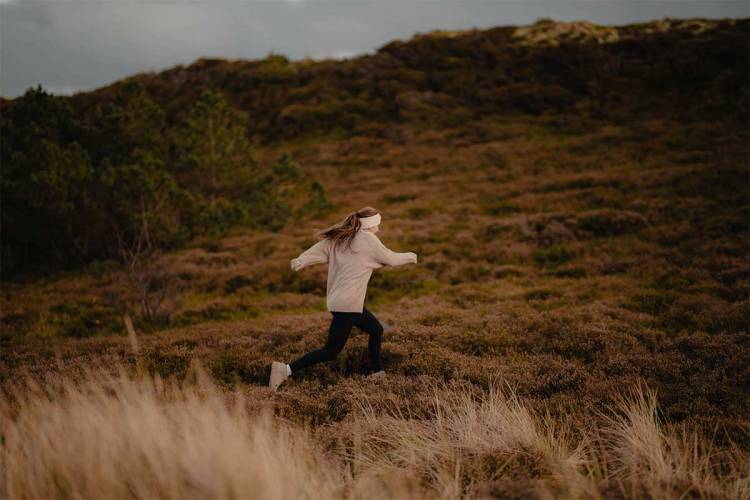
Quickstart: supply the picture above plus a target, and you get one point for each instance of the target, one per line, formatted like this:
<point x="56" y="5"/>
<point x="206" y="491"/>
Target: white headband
<point x="371" y="221"/>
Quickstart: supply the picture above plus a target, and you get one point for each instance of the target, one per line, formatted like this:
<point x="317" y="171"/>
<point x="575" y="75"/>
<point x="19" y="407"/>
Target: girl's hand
<point x="296" y="265"/>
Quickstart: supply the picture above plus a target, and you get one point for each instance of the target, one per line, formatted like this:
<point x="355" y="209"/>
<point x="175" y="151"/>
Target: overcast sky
<point x="68" y="46"/>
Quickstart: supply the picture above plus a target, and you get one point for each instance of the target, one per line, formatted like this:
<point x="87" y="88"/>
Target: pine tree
<point x="129" y="125"/>
<point x="214" y="154"/>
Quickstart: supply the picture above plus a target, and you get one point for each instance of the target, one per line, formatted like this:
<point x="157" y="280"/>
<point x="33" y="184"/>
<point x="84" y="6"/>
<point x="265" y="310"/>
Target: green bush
<point x="216" y="219"/>
<point x="275" y="68"/>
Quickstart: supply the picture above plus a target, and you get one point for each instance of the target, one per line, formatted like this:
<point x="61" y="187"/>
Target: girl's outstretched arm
<point x="388" y="257"/>
<point x="316" y="254"/>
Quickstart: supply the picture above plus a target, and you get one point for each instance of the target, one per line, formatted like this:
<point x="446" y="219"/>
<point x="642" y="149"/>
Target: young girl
<point x="352" y="251"/>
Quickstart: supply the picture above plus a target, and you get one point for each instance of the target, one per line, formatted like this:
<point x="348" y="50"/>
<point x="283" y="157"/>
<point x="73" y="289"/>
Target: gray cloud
<point x="81" y="45"/>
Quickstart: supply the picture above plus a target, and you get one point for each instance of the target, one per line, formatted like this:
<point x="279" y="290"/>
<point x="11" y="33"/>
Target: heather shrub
<point x="84" y="317"/>
<point x="553" y="255"/>
<point x="494" y="157"/>
<point x="171" y="363"/>
<point x="652" y="302"/>
<point x="704" y="312"/>
<point x="493" y="204"/>
<point x="230" y="365"/>
<point x="610" y="222"/>
<point x="393" y="284"/>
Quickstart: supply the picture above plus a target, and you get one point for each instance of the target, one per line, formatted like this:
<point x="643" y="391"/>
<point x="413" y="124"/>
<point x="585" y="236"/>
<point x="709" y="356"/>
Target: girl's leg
<point x="368" y="323"/>
<point x="338" y="333"/>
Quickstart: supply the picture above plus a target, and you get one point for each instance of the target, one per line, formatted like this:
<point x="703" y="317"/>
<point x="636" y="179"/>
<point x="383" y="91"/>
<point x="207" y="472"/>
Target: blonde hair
<point x="344" y="231"/>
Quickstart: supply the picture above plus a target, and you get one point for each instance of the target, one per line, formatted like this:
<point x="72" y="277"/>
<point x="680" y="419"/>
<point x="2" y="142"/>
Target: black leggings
<point x="338" y="334"/>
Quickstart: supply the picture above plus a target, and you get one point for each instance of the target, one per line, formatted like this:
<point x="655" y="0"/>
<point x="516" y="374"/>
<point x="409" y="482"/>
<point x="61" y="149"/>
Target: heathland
<point x="577" y="325"/>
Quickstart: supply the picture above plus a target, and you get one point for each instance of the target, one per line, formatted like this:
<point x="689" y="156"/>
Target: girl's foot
<point x="279" y="373"/>
<point x="379" y="374"/>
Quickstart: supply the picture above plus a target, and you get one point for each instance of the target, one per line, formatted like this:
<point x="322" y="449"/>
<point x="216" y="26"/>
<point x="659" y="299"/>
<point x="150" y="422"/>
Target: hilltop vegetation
<point x="685" y="69"/>
<point x="580" y="210"/>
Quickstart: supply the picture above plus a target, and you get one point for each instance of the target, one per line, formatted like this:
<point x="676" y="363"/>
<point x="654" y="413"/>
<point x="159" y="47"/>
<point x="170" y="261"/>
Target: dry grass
<point x="655" y="463"/>
<point x="468" y="442"/>
<point x="106" y="435"/>
<point x="111" y="436"/>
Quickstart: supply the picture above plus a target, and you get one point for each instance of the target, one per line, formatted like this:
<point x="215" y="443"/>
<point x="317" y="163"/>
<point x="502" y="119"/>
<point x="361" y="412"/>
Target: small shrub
<point x="607" y="222"/>
<point x="493" y="157"/>
<point x="217" y="310"/>
<point x="653" y="303"/>
<point x="397" y="198"/>
<point x="553" y="255"/>
<point x="167" y="364"/>
<point x="549" y="228"/>
<point x="455" y="117"/>
<point x="706" y="313"/>
<point x="394" y="284"/>
<point x="493" y="204"/>
<point x="541" y="294"/>
<point x="482" y="343"/>
<point x="569" y="272"/>
<point x="470" y="273"/>
<point x="493" y="231"/>
<point x="230" y="366"/>
<point x="85" y="318"/>
<point x="236" y="282"/>
<point x="534" y="98"/>
<point x="418" y="212"/>
<point x="15" y="325"/>
<point x="101" y="267"/>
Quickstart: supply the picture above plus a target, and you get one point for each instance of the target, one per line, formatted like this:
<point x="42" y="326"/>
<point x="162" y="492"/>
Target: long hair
<point x="345" y="231"/>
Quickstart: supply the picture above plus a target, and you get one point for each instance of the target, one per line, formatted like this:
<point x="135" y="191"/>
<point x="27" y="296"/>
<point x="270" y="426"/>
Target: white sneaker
<point x="279" y="374"/>
<point x="379" y="374"/>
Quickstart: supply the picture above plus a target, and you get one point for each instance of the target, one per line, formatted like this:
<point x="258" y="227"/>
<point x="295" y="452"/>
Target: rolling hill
<point x="578" y="196"/>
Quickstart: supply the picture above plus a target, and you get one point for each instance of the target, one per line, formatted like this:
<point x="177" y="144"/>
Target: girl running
<point x="352" y="251"/>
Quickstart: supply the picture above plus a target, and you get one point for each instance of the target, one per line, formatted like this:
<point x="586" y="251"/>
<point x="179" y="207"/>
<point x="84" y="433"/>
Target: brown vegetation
<point x="566" y="260"/>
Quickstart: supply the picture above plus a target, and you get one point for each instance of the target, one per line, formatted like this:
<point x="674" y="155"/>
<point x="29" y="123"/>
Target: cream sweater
<point x="350" y="269"/>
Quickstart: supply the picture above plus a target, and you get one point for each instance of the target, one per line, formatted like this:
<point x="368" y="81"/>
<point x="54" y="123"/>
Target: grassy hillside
<point x="582" y="227"/>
